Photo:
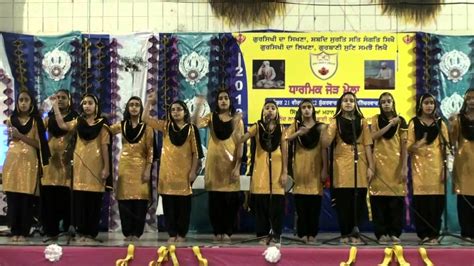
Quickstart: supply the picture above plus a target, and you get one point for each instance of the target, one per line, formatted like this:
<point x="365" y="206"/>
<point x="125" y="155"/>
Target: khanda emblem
<point x="56" y="63"/>
<point x="454" y="65"/>
<point x="193" y="67"/>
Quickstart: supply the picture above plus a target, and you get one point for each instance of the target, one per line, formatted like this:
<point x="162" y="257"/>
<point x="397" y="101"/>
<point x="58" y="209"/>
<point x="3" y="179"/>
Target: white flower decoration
<point x="272" y="254"/>
<point x="451" y="105"/>
<point x="53" y="252"/>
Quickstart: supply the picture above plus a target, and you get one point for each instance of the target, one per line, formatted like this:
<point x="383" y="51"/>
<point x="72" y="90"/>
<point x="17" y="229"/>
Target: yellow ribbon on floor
<point x="129" y="257"/>
<point x="162" y="256"/>
<point x="174" y="259"/>
<point x="201" y="259"/>
<point x="369" y="207"/>
<point x="398" y="250"/>
<point x="352" y="257"/>
<point x="424" y="257"/>
<point x="387" y="258"/>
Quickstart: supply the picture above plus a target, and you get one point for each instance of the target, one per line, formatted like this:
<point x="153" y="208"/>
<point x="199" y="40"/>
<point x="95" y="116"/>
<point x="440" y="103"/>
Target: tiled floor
<point x="154" y="239"/>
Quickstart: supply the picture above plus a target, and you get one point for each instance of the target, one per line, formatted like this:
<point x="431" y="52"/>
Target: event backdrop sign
<point x="289" y="67"/>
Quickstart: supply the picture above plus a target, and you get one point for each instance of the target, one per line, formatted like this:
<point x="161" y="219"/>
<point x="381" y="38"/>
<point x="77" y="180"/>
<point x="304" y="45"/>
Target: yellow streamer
<point x="129" y="257"/>
<point x="399" y="255"/>
<point x="352" y="257"/>
<point x="388" y="257"/>
<point x="162" y="256"/>
<point x="369" y="207"/>
<point x="424" y="257"/>
<point x="201" y="259"/>
<point x="173" y="255"/>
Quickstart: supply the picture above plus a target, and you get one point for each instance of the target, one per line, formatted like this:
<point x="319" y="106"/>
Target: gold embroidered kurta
<point x="343" y="163"/>
<point x="260" y="181"/>
<point x="388" y="163"/>
<point x="427" y="164"/>
<point x="175" y="162"/>
<point x="307" y="166"/>
<point x="463" y="170"/>
<point x="58" y="171"/>
<point x="220" y="160"/>
<point x="20" y="169"/>
<point x="88" y="162"/>
<point x="133" y="160"/>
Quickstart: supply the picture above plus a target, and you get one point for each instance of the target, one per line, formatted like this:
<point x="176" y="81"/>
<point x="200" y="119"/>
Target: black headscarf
<point x="130" y="133"/>
<point x="269" y="141"/>
<point x="432" y="130"/>
<point x="43" y="153"/>
<point x="222" y="130"/>
<point x="53" y="127"/>
<point x="383" y="120"/>
<point x="344" y="125"/>
<point x="178" y="135"/>
<point x="467" y="126"/>
<point x="310" y="139"/>
<point x="86" y="131"/>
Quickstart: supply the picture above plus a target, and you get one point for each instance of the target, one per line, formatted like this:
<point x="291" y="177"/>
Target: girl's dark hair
<point x="394" y="110"/>
<point x="231" y="105"/>
<point x="357" y="111"/>
<point x="187" y="116"/>
<point x="464" y="104"/>
<point x="98" y="110"/>
<point x="419" y="104"/>
<point x="126" y="113"/>
<point x="299" y="116"/>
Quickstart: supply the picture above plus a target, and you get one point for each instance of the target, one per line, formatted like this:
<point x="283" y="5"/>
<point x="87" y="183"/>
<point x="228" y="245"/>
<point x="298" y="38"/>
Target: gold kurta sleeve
<point x="260" y="181"/>
<point x="463" y="162"/>
<point x="157" y="124"/>
<point x="344" y="158"/>
<point x="427" y="164"/>
<point x="116" y="128"/>
<point x="388" y="164"/>
<point x="204" y="121"/>
<point x="88" y="163"/>
<point x="220" y="161"/>
<point x="58" y="171"/>
<point x="20" y="169"/>
<point x="133" y="160"/>
<point x="175" y="165"/>
<point x="307" y="166"/>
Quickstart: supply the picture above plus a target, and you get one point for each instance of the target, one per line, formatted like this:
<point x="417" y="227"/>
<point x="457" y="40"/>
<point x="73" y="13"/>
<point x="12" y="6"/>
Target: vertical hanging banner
<point x="454" y="75"/>
<point x="289" y="67"/>
<point x="7" y="99"/>
<point x="193" y="50"/>
<point x="132" y="66"/>
<point x="454" y="71"/>
<point x="55" y="63"/>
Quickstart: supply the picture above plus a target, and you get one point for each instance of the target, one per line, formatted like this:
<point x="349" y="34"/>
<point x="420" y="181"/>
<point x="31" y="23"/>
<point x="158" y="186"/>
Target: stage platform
<point x="451" y="251"/>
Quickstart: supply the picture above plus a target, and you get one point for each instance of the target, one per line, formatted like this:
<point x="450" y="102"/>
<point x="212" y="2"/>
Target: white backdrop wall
<point x="125" y="16"/>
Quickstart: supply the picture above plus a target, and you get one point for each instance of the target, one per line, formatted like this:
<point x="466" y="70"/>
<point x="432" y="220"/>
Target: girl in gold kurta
<point x="347" y="124"/>
<point x="388" y="187"/>
<point x="22" y="163"/>
<point x="56" y="181"/>
<point x="222" y="172"/>
<point x="425" y="147"/>
<point x="178" y="165"/>
<point x="462" y="135"/>
<point x="91" y="165"/>
<point x="268" y="187"/>
<point x="309" y="169"/>
<point x="133" y="185"/>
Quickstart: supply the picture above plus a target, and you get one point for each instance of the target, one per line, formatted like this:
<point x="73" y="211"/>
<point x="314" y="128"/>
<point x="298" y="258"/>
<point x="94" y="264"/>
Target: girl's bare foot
<point x="226" y="239"/>
<point x="172" y="240"/>
<point x="180" y="239"/>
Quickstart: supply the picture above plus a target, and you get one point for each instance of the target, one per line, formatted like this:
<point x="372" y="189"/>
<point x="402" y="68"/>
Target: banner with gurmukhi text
<point x="289" y="67"/>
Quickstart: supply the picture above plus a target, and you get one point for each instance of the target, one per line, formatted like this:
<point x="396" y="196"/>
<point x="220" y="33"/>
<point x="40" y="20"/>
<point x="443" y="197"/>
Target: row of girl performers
<point x="382" y="166"/>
